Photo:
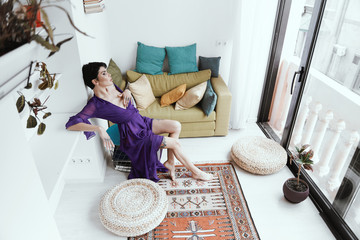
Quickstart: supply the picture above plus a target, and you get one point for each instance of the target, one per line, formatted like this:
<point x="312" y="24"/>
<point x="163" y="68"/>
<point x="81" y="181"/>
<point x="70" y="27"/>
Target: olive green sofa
<point x="194" y="123"/>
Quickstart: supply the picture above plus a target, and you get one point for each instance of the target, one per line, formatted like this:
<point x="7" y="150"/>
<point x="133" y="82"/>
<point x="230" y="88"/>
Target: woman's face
<point x="104" y="78"/>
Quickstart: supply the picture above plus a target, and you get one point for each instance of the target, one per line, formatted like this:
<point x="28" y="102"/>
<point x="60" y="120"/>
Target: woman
<point x="138" y="135"/>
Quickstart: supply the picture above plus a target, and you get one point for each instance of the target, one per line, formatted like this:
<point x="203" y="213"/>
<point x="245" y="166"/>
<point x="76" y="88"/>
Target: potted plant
<point x="20" y="24"/>
<point x="296" y="190"/>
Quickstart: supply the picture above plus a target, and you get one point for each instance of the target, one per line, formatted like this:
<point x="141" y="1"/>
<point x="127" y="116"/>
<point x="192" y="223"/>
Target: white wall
<point x="96" y="46"/>
<point x="70" y="95"/>
<point x="163" y="23"/>
<point x="25" y="211"/>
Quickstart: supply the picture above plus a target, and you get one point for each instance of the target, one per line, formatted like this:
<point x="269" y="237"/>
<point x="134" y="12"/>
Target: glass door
<point x="284" y="69"/>
<point x="311" y="96"/>
<point x="329" y="111"/>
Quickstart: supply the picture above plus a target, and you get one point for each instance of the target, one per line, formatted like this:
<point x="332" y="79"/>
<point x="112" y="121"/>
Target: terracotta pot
<point x="295" y="196"/>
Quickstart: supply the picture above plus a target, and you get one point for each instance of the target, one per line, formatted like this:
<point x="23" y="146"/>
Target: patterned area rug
<point x="204" y="210"/>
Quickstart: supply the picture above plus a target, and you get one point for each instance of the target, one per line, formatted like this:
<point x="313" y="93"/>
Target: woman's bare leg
<point x="173" y="128"/>
<point x="174" y="145"/>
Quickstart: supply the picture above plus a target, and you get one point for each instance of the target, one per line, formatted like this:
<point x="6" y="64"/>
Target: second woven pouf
<point x="133" y="207"/>
<point x="258" y="155"/>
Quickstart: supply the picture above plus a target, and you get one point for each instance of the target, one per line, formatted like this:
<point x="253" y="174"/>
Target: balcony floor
<point x="274" y="217"/>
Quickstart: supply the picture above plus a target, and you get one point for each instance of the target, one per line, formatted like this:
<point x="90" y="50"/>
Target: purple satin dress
<point x="136" y="137"/>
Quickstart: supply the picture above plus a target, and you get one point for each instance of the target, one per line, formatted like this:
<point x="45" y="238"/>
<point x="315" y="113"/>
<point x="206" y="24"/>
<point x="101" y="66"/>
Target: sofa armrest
<point x="223" y="106"/>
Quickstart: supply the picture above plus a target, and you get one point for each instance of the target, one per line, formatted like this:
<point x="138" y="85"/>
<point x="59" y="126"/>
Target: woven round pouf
<point x="133" y="207"/>
<point x="258" y="155"/>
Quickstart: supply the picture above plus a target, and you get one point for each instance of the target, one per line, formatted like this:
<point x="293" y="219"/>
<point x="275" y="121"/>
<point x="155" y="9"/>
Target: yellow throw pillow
<point x="172" y="96"/>
<point x="191" y="97"/>
<point x="141" y="90"/>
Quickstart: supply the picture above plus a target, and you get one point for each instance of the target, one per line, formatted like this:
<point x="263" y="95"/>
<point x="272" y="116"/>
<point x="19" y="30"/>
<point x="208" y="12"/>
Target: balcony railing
<point x="327" y="120"/>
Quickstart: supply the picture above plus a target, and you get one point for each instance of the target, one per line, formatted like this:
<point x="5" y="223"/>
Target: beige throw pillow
<point x="191" y="97"/>
<point x="141" y="90"/>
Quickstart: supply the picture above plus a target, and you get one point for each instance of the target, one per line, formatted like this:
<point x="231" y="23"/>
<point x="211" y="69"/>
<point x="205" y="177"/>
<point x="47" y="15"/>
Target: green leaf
<point x="41" y="129"/>
<point x="47" y="115"/>
<point x="20" y="103"/>
<point x="31" y="122"/>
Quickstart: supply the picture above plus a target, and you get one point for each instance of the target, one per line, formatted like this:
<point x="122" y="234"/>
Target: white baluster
<point x="300" y="122"/>
<point x="310" y="124"/>
<point x="318" y="138"/>
<point x="329" y="149"/>
<point x="339" y="162"/>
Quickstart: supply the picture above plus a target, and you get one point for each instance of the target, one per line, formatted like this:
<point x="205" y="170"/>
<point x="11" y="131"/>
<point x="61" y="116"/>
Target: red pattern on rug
<point x="204" y="210"/>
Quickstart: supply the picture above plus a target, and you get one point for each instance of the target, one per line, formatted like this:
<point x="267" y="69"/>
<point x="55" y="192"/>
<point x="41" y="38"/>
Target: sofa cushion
<point x="191" y="97"/>
<point x="116" y="76"/>
<point x="163" y="83"/>
<point x="141" y="90"/>
<point x="208" y="102"/>
<point x="212" y="63"/>
<point x="194" y="114"/>
<point x="182" y="59"/>
<point x="173" y="95"/>
<point x="149" y="59"/>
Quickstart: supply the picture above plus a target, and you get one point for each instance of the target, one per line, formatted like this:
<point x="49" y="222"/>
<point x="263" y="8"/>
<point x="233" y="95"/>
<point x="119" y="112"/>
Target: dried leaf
<point x="56" y="85"/>
<point x="31" y="122"/>
<point x="47" y="24"/>
<point x="28" y="86"/>
<point x="47" y="115"/>
<point x="43" y="85"/>
<point x="20" y="103"/>
<point x="49" y="79"/>
<point x="51" y="53"/>
<point x="41" y="129"/>
<point x="44" y="43"/>
<point x="308" y="167"/>
<point x="37" y="102"/>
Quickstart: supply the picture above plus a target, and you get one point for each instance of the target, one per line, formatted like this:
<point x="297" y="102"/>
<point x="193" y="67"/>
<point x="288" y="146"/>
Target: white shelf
<point x="51" y="152"/>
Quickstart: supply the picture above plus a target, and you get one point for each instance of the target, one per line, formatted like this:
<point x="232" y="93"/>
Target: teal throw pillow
<point x="182" y="59"/>
<point x="149" y="59"/>
<point x="114" y="134"/>
<point x="212" y="63"/>
<point x="209" y="99"/>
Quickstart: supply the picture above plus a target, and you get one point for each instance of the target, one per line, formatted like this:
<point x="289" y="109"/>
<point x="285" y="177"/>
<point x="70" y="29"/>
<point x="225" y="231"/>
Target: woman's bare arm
<point x="108" y="144"/>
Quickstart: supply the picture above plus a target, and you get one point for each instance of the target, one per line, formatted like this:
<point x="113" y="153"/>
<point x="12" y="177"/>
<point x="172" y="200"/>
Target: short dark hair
<point x="90" y="71"/>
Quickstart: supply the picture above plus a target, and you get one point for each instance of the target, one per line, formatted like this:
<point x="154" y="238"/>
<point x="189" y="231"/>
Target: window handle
<point x="295" y="73"/>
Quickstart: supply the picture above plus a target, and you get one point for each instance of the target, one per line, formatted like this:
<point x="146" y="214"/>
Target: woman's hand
<point x="108" y="143"/>
<point x="126" y="97"/>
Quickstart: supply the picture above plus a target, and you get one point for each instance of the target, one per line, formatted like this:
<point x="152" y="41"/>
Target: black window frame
<point x="335" y="222"/>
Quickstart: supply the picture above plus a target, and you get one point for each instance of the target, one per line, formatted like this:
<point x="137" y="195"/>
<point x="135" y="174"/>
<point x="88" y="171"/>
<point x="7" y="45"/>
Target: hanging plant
<point x="35" y="105"/>
<point x="21" y="22"/>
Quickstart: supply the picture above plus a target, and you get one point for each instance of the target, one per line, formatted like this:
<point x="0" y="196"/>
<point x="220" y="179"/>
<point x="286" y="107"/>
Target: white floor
<point x="274" y="217"/>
